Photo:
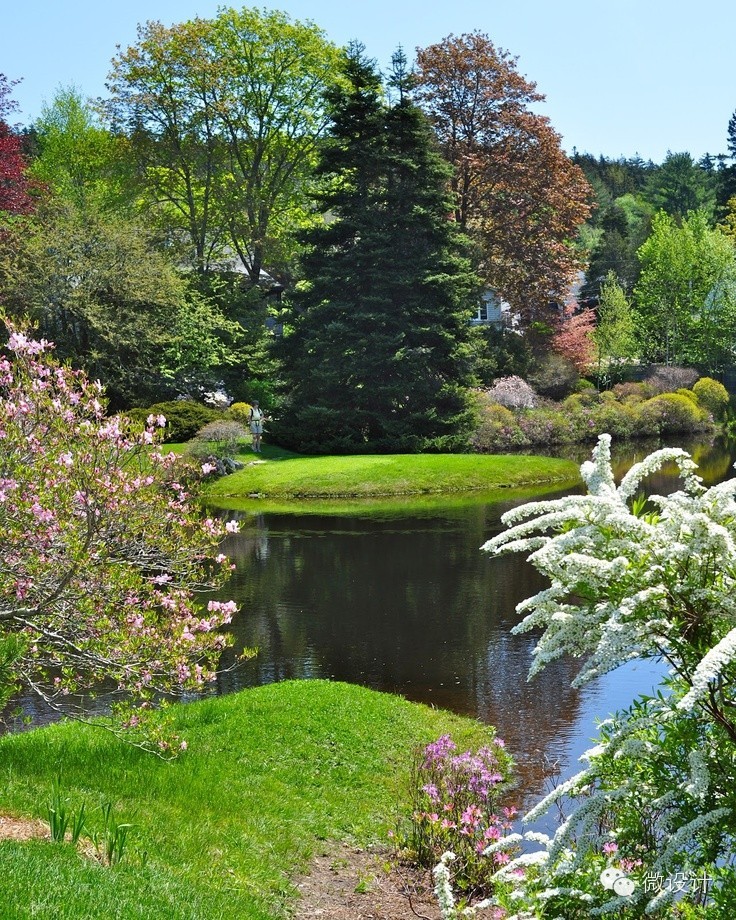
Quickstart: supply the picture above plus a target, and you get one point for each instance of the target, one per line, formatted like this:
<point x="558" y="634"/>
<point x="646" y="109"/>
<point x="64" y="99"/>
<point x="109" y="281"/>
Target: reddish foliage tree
<point x="516" y="192"/>
<point x="13" y="182"/>
<point x="573" y="337"/>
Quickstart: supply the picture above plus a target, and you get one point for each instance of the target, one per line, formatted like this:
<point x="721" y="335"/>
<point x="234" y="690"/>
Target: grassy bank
<point x="280" y="476"/>
<point x="269" y="773"/>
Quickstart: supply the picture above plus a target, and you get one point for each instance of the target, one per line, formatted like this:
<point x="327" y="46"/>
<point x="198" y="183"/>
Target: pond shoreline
<point x="294" y="478"/>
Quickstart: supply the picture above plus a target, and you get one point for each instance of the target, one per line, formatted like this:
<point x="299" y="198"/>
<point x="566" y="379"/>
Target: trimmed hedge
<point x="184" y="417"/>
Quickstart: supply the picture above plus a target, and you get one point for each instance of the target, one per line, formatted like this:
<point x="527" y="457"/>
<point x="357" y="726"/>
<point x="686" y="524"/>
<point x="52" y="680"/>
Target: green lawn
<point x="278" y="476"/>
<point x="269" y="774"/>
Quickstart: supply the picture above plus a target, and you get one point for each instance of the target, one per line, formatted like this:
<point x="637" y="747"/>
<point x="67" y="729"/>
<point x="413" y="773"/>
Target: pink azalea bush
<point x="104" y="554"/>
<point x="456" y="807"/>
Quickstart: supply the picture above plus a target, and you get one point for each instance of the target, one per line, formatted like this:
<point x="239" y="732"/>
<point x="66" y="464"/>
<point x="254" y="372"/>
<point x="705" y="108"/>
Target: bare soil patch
<point x="346" y="883"/>
<point x="12" y="828"/>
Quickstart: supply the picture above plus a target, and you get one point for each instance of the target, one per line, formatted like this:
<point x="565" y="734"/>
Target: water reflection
<point x="409" y="605"/>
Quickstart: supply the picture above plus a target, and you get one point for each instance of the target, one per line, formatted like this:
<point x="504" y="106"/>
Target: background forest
<point x="253" y="212"/>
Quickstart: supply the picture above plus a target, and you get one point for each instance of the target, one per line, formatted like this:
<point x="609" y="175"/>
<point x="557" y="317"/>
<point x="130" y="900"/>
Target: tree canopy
<point x="515" y="191"/>
<point x="377" y="356"/>
<point x="103" y="552"/>
<point x="14" y="197"/>
<point x="686" y="295"/>
<point x="224" y="116"/>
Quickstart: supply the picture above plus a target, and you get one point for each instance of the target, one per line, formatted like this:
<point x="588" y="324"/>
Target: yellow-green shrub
<point x="669" y="413"/>
<point x="240" y="412"/>
<point x="712" y="396"/>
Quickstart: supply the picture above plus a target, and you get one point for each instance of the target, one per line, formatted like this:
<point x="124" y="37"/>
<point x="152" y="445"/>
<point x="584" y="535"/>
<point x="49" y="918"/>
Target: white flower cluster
<point x="633" y="578"/>
<point x="444" y="894"/>
<point x="624" y="584"/>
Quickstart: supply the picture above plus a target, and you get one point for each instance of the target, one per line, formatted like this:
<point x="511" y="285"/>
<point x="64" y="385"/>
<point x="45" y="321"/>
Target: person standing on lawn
<point x="256" y="419"/>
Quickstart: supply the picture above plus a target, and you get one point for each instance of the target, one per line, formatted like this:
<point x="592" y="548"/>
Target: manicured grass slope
<point x="268" y="773"/>
<point x="389" y="474"/>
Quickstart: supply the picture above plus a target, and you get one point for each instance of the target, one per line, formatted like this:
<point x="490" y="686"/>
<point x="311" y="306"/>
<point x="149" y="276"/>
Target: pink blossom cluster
<point x="104" y="550"/>
<point x="456" y="808"/>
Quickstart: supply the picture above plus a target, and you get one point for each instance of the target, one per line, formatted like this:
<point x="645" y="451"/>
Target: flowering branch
<point x="104" y="553"/>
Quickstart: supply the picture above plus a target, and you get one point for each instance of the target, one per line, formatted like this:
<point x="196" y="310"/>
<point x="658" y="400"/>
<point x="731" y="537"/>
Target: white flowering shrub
<point x="513" y="393"/>
<point x="656" y="800"/>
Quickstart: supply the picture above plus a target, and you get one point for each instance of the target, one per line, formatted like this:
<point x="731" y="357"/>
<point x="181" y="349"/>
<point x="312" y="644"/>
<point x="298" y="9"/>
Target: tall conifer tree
<point x="377" y="358"/>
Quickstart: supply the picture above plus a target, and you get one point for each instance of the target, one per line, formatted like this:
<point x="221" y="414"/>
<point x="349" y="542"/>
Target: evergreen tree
<point x="377" y="357"/>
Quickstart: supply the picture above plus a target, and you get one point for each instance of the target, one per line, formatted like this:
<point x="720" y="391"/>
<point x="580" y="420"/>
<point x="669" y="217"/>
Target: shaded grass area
<point x="269" y="772"/>
<point x="380" y="476"/>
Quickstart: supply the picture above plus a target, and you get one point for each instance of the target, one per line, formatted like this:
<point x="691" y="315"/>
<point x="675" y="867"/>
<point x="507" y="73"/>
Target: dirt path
<point x="350" y="884"/>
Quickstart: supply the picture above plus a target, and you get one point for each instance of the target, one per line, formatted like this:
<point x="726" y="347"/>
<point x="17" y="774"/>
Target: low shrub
<point x="670" y="378"/>
<point x="633" y="392"/>
<point x="688" y="394"/>
<point x="184" y="417"/>
<point x="455" y="799"/>
<point x="554" y="377"/>
<point x="497" y="430"/>
<point x="513" y="393"/>
<point x="239" y="412"/>
<point x="712" y="396"/>
<point x="547" y="426"/>
<point x="671" y="413"/>
<point x="218" y="439"/>
<point x="614" y="418"/>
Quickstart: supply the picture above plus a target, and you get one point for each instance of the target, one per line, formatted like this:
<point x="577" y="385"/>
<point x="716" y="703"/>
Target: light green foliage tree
<point x="113" y="303"/>
<point x="686" y="295"/>
<point x="79" y="159"/>
<point x="224" y="116"/>
<point x="614" y="335"/>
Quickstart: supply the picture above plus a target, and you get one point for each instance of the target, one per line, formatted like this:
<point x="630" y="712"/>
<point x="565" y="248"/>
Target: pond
<point x="407" y="603"/>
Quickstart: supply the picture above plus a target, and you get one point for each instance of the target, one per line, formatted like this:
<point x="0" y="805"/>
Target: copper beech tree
<point x="14" y="197"/>
<point x="516" y="192"/>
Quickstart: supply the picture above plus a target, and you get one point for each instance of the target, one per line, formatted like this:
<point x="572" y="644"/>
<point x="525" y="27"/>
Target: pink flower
<point x="208" y="468"/>
<point x="610" y="848"/>
<point x="232" y="527"/>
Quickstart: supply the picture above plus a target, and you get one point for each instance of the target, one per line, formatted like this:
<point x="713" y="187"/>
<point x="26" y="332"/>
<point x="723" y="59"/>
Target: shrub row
<point x="632" y="412"/>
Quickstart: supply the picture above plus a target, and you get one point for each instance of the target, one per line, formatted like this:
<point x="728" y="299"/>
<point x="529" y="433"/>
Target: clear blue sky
<point x="625" y="77"/>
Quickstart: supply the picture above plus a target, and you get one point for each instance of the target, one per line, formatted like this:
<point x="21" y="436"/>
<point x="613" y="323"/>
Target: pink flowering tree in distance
<point x="103" y="555"/>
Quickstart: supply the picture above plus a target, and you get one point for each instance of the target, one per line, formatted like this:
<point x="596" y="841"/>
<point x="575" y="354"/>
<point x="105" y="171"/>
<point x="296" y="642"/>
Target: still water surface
<point x="407" y="603"/>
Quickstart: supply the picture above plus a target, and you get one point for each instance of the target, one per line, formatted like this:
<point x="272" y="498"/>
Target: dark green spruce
<point x="376" y="355"/>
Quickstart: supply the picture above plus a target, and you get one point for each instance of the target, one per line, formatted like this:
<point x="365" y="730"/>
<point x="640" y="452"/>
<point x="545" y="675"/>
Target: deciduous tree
<point x="615" y="330"/>
<point x="14" y="197"/>
<point x="686" y="295"/>
<point x="80" y="160"/>
<point x="573" y="337"/>
<point x="103" y="552"/>
<point x="113" y="303"/>
<point x="515" y="191"/>
<point x="224" y="116"/>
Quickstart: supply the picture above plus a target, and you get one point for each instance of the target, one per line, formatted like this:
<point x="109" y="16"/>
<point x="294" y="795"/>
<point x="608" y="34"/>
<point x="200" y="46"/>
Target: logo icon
<point x="617" y="881"/>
